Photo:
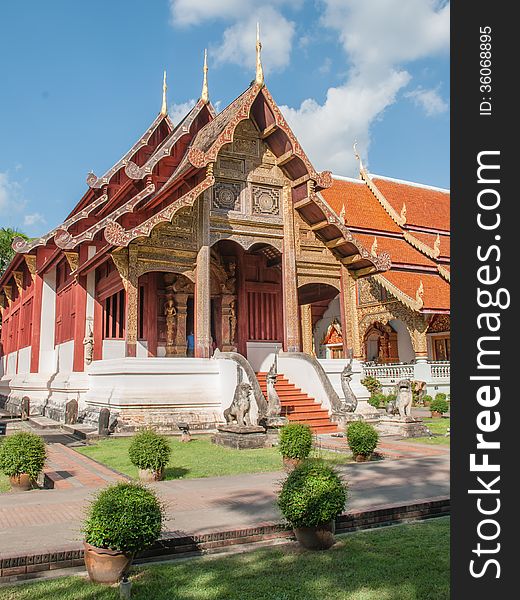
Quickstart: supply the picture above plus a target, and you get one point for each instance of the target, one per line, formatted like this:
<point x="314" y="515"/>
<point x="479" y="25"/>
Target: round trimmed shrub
<point x="439" y="405"/>
<point x="362" y="438"/>
<point x="295" y="441"/>
<point x="22" y="452"/>
<point x="313" y="494"/>
<point x="149" y="450"/>
<point x="377" y="400"/>
<point x="372" y="384"/>
<point x="440" y="396"/>
<point x="125" y="516"/>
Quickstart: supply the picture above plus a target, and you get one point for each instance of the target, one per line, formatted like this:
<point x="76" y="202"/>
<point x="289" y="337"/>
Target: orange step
<point x="299" y="407"/>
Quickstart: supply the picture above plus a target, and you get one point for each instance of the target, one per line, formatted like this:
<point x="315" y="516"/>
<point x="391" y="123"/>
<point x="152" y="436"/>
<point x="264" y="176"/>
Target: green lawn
<point x="406" y="562"/>
<point x="4" y="483"/>
<point x="438" y="425"/>
<point x="198" y="458"/>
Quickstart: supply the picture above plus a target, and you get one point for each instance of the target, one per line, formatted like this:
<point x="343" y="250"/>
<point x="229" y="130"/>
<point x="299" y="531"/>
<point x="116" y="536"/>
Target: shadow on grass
<point x="408" y="562"/>
<point x="175" y="472"/>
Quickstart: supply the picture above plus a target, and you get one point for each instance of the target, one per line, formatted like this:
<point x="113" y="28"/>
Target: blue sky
<point x="80" y="82"/>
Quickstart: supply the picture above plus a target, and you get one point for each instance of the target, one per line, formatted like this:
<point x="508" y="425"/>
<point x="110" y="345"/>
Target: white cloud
<point x="177" y="112"/>
<point x="33" y="219"/>
<point x="327" y="131"/>
<point x="429" y="100"/>
<point x="238" y="40"/>
<point x="379" y="38"/>
<point x="9" y="194"/>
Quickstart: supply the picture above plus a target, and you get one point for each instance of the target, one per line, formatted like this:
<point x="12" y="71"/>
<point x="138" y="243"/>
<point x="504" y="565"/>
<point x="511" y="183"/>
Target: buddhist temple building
<point x="217" y="233"/>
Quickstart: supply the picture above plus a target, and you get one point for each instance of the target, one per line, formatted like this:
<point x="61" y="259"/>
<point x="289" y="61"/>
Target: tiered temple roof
<point x="411" y="223"/>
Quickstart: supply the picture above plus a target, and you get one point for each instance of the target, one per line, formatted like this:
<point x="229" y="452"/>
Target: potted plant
<point x="372" y="384"/>
<point x="362" y="439"/>
<point x="438" y="406"/>
<point x="150" y="453"/>
<point x="295" y="443"/>
<point x="123" y="519"/>
<point x="22" y="456"/>
<point x="312" y="496"/>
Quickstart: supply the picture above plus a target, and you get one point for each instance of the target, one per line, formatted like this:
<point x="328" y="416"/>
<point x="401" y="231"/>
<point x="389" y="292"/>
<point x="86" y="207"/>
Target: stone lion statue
<point x="239" y="409"/>
<point x="274" y="407"/>
<point x="404" y="397"/>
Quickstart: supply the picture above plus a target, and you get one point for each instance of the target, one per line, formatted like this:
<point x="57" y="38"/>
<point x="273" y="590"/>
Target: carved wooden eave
<point x="30" y="261"/>
<point x="65" y="241"/>
<point x="97" y="182"/>
<point x="415" y="304"/>
<point x="22" y="246"/>
<point x="18" y="279"/>
<point x="421" y="246"/>
<point x="73" y="260"/>
<point x="8" y="293"/>
<point x="165" y="149"/>
<point x="360" y="261"/>
<point x="116" y="235"/>
<point x="210" y="139"/>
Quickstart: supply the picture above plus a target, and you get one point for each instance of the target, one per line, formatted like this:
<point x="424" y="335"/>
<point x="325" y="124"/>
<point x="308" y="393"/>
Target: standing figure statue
<point x="170" y="313"/>
<point x="346" y="375"/>
<point x="232" y="322"/>
<point x="88" y="345"/>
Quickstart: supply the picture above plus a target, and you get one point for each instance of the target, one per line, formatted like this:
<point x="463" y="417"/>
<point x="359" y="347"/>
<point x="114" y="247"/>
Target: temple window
<point x="114" y="316"/>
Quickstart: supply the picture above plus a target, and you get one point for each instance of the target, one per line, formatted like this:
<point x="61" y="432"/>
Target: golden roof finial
<point x="259" y="70"/>
<point x="164" y="107"/>
<point x="205" y="92"/>
<point x="358" y="157"/>
<point x="373" y="250"/>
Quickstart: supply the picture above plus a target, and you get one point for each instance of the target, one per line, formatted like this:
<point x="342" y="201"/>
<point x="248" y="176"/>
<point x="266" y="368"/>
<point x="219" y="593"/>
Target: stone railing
<point x="396" y="372"/>
<point x="436" y="374"/>
<point x="440" y="370"/>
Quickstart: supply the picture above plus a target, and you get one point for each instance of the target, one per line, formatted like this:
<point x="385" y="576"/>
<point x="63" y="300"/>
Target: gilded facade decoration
<point x="440" y="324"/>
<point x="226" y="196"/>
<point x="265" y="200"/>
<point x="18" y="279"/>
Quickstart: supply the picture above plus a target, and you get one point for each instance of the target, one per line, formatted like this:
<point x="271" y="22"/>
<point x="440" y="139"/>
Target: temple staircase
<point x="298" y="406"/>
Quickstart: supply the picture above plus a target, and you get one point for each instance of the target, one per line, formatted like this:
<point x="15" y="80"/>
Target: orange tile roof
<point x="399" y="249"/>
<point x="361" y="208"/>
<point x="425" y="207"/>
<point x="436" y="290"/>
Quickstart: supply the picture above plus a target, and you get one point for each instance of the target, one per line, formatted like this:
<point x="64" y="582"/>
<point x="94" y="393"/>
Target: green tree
<point x="6" y="239"/>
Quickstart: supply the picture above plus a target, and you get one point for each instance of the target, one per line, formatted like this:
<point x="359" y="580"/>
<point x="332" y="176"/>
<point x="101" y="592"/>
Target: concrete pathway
<point x="50" y="520"/>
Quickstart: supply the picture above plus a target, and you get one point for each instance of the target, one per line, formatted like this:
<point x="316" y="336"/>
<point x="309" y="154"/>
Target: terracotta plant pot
<point x="363" y="457"/>
<point x="147" y="475"/>
<point x="105" y="565"/>
<point x="20" y="483"/>
<point x="290" y="463"/>
<point x="320" y="537"/>
<point x="436" y="414"/>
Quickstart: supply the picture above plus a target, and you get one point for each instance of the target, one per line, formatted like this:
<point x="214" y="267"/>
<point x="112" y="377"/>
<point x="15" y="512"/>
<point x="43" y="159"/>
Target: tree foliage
<point x="6" y="252"/>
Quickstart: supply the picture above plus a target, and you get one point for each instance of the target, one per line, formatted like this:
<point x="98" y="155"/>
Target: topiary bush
<point x="362" y="438"/>
<point x="439" y="405"/>
<point x="440" y="396"/>
<point x="377" y="400"/>
<point x="295" y="441"/>
<point x="125" y="516"/>
<point x="427" y="399"/>
<point x="313" y="494"/>
<point x="149" y="450"/>
<point x="22" y="452"/>
<point x="372" y="384"/>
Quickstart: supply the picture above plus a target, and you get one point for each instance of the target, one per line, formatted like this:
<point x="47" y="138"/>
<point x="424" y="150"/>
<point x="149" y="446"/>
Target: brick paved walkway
<point x="50" y="520"/>
<point x="67" y="469"/>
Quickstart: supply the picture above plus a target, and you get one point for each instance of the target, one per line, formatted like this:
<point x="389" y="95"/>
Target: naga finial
<point x="259" y="70"/>
<point x="164" y="107"/>
<point x="205" y="91"/>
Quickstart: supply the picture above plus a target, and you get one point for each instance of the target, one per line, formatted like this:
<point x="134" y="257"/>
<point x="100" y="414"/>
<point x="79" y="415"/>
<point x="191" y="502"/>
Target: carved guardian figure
<point x="240" y="406"/>
<point x="404" y="397"/>
<point x="274" y="407"/>
<point x="350" y="399"/>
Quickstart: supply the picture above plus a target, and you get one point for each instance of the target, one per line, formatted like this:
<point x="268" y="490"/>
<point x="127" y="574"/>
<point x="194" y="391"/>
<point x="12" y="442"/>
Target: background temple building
<point x="218" y="233"/>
